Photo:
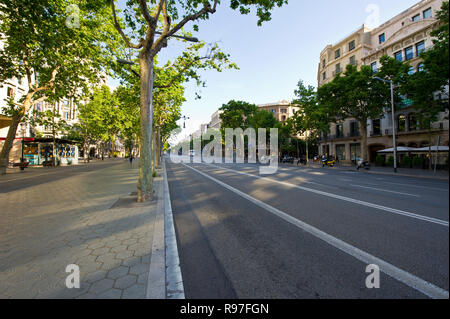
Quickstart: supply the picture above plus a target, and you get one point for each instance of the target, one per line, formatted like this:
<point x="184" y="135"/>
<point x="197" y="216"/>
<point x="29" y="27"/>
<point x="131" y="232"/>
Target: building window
<point x="374" y="68"/>
<point x="337" y="53"/>
<point x="420" y="67"/>
<point x="324" y="75"/>
<point x="353" y="60"/>
<point x="398" y="56"/>
<point x="409" y="53"/>
<point x="401" y="123"/>
<point x="340" y="152"/>
<point x="416" y="18"/>
<point x="427" y="14"/>
<point x="324" y="63"/>
<point x="351" y="45"/>
<point x="273" y="111"/>
<point x="412" y="122"/>
<point x="354" y="129"/>
<point x="338" y="68"/>
<point x="10" y="92"/>
<point x="376" y="127"/>
<point x="283" y="118"/>
<point x="339" y="130"/>
<point x="420" y="47"/>
<point x="283" y="111"/>
<point x="355" y="151"/>
<point x="381" y="38"/>
<point x="411" y="70"/>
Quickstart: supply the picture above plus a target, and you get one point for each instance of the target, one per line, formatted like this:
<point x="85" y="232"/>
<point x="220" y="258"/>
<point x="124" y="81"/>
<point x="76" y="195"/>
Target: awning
<point x="400" y="149"/>
<point x="433" y="149"/>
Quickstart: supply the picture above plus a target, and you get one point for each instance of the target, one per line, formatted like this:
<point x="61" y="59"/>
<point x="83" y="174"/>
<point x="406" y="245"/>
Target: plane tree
<point x="57" y="46"/>
<point x="147" y="26"/>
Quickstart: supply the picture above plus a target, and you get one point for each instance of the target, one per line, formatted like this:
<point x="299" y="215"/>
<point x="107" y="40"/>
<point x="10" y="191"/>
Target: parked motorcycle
<point x="328" y="161"/>
<point x="361" y="164"/>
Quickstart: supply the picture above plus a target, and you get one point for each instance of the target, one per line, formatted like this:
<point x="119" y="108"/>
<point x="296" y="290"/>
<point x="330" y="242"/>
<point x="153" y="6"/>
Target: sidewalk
<point x="40" y="168"/>
<point x="409" y="172"/>
<point x="91" y="220"/>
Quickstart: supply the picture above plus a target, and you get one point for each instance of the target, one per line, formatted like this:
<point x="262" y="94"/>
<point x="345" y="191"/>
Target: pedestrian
<point x="131" y="160"/>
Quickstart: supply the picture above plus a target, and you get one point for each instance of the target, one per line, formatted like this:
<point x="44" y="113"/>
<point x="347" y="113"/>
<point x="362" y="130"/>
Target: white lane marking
<point x="347" y="199"/>
<point x="174" y="279"/>
<point x="403" y="276"/>
<point x="384" y="190"/>
<point x="425" y="187"/>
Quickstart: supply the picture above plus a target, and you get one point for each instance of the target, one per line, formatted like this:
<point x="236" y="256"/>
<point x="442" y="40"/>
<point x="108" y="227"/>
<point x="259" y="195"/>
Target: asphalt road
<point x="308" y="233"/>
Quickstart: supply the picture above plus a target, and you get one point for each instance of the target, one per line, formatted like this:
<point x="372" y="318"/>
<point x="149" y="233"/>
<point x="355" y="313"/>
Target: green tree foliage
<point x="101" y="118"/>
<point x="424" y="87"/>
<point x="141" y="19"/>
<point x="58" y="46"/>
<point x="237" y="114"/>
<point x="312" y="117"/>
<point x="436" y="59"/>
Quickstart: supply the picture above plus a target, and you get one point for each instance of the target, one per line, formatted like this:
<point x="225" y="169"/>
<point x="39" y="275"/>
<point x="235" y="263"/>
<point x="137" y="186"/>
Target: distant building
<point x="282" y="110"/>
<point x="216" y="122"/>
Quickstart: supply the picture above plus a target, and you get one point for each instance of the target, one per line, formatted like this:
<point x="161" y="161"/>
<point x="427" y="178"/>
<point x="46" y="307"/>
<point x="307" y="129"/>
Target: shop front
<point x="40" y="150"/>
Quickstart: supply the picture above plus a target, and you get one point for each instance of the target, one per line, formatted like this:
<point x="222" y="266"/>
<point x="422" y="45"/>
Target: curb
<point x="174" y="279"/>
<point x="156" y="276"/>
<point x="164" y="277"/>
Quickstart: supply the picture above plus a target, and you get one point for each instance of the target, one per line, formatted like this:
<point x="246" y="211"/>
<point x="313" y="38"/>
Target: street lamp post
<point x="394" y="139"/>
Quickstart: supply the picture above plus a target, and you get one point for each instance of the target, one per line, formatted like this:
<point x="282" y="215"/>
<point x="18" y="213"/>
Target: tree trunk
<point x="307" y="151"/>
<point x="364" y="151"/>
<point x="4" y="155"/>
<point x="54" y="151"/>
<point x="154" y="153"/>
<point x="158" y="148"/>
<point x="146" y="122"/>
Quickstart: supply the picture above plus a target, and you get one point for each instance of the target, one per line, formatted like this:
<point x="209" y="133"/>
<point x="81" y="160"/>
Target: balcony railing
<point x="340" y="136"/>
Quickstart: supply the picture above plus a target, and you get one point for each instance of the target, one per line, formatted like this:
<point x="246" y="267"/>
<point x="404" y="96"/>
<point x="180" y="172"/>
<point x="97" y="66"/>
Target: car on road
<point x="287" y="159"/>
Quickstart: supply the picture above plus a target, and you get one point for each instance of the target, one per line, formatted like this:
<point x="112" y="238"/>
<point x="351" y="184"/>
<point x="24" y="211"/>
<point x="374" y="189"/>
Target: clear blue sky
<point x="273" y="57"/>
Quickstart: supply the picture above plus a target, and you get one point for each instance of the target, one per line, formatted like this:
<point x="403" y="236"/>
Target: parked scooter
<point x="361" y="164"/>
<point x="328" y="161"/>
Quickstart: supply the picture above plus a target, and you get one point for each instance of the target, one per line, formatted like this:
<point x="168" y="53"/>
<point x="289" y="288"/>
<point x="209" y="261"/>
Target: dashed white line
<point x="347" y="199"/>
<point x="384" y="190"/>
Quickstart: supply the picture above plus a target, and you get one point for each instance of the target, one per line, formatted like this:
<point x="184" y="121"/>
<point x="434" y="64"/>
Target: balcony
<point x="338" y="137"/>
<point x="388" y="132"/>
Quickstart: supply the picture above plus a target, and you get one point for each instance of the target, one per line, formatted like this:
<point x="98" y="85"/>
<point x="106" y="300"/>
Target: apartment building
<point x="282" y="110"/>
<point x="349" y="50"/>
<point x="403" y="37"/>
